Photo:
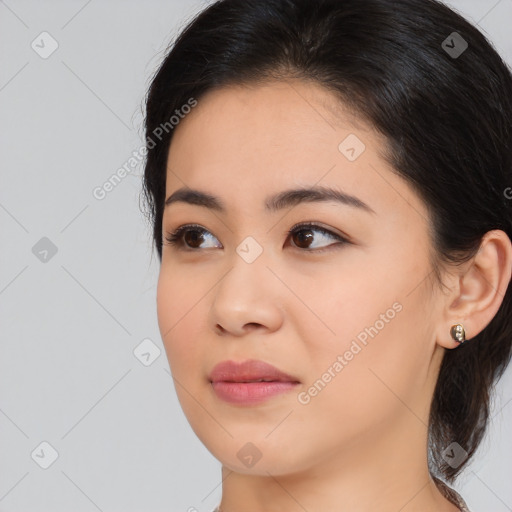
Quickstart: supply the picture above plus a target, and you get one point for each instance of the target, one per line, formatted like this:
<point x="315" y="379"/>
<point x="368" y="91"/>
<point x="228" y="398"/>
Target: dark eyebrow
<point x="273" y="203"/>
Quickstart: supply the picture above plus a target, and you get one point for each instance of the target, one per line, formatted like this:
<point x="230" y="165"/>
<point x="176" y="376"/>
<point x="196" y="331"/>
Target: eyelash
<point x="176" y="237"/>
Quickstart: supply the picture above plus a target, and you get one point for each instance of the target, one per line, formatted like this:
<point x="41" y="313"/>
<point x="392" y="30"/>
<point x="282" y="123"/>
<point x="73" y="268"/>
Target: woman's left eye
<point x="190" y="237"/>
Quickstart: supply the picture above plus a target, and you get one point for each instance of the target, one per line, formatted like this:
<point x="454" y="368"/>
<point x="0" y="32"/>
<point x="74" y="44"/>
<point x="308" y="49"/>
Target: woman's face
<point x="352" y="321"/>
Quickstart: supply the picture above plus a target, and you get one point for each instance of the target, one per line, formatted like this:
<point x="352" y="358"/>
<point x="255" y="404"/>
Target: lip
<point x="230" y="381"/>
<point x="252" y="369"/>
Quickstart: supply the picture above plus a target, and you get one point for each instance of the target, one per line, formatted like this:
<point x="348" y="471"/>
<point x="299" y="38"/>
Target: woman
<point x="333" y="221"/>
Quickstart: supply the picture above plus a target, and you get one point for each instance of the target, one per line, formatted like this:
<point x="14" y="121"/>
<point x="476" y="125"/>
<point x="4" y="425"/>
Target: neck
<point x="385" y="471"/>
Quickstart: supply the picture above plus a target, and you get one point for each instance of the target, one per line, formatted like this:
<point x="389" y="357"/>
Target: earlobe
<point x="480" y="291"/>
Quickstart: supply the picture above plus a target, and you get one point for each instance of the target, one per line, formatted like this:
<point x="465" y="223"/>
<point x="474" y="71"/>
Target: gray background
<point x="71" y="321"/>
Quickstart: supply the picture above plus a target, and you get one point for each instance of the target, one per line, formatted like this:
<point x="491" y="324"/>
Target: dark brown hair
<point x="447" y="120"/>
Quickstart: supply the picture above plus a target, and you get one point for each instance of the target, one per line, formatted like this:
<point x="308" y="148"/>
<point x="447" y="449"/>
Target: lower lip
<point x="247" y="393"/>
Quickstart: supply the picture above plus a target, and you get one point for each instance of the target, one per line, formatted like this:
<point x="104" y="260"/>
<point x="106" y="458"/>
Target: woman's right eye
<point x="187" y="237"/>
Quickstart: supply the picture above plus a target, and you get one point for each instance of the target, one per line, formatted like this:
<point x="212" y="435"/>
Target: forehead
<point x="243" y="142"/>
<point x="305" y="110"/>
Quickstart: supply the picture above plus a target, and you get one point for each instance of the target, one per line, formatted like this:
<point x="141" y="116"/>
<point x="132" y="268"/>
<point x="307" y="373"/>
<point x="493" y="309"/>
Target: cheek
<point x="180" y="315"/>
<point x="382" y="337"/>
<point x="354" y="305"/>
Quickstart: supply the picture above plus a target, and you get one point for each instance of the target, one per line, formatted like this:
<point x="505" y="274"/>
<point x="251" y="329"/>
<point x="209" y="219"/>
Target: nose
<point x="247" y="298"/>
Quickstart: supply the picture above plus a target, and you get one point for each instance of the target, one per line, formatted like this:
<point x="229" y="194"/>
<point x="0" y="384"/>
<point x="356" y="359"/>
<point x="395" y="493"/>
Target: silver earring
<point x="458" y="334"/>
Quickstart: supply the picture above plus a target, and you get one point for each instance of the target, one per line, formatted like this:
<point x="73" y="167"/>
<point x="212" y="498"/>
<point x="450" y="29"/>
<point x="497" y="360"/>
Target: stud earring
<point x="458" y="334"/>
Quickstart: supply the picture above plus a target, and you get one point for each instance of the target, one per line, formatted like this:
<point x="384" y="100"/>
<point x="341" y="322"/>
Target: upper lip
<point x="250" y="370"/>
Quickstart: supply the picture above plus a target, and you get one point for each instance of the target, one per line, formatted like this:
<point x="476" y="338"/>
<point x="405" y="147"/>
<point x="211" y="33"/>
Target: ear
<point x="477" y="289"/>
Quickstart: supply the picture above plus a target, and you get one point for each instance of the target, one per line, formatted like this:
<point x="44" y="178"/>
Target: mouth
<point x="249" y="382"/>
<point x="250" y="393"/>
<point x="253" y="380"/>
<point x="251" y="370"/>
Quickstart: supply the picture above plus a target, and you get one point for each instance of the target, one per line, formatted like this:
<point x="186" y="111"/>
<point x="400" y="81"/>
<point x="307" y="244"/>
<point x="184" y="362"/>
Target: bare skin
<point x="360" y="443"/>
